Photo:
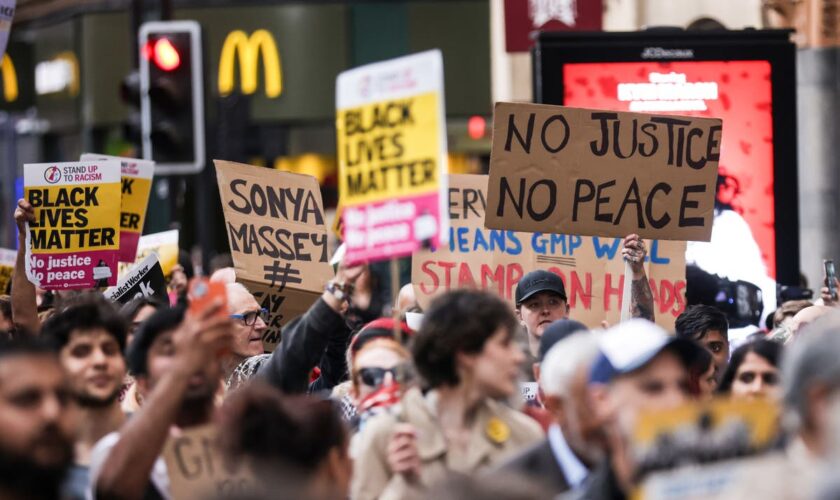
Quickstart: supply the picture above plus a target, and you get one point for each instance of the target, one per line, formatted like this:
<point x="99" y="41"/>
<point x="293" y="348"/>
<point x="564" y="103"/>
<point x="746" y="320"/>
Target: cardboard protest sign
<point x="392" y="157"/>
<point x="591" y="267"/>
<point x="74" y="241"/>
<point x="7" y="267"/>
<point x="696" y="435"/>
<point x="144" y="280"/>
<point x="278" y="238"/>
<point x="136" y="186"/>
<point x="602" y="173"/>
<point x="197" y="468"/>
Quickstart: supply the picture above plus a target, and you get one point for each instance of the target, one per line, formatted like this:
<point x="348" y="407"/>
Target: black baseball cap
<point x="539" y="281"/>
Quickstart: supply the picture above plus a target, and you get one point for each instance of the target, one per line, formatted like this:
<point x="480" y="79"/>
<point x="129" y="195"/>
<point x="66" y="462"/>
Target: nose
<point x="51" y="407"/>
<point x="388" y="379"/>
<point x="98" y="357"/>
<point x="260" y="325"/>
<point x="757" y="387"/>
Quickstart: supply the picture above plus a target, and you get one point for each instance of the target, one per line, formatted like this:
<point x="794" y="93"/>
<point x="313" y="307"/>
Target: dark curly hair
<point x="259" y="422"/>
<point x="86" y="311"/>
<point x="458" y="321"/>
<point x="696" y="321"/>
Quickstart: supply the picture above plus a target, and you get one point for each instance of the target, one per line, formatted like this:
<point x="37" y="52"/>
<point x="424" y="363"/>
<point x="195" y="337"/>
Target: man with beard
<point x="37" y="421"/>
<point x="89" y="336"/>
<point x="176" y="362"/>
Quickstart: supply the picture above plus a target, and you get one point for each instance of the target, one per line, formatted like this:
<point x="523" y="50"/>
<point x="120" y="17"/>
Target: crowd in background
<point x="355" y="403"/>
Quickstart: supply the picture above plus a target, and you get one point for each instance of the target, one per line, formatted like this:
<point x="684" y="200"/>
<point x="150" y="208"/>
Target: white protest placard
<point x="391" y="129"/>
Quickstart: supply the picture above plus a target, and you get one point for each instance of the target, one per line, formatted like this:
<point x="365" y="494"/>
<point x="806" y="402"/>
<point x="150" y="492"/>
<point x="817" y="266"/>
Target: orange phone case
<point x="203" y="292"/>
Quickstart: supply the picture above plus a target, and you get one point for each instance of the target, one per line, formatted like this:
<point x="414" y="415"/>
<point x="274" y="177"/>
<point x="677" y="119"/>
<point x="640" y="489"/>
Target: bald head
<point x="224" y="275"/>
<point x="406" y="300"/>
<point x="807" y="316"/>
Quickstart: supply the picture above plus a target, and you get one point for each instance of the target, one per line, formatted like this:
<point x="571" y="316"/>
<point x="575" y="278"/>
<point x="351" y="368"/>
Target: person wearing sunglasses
<point x="469" y="364"/>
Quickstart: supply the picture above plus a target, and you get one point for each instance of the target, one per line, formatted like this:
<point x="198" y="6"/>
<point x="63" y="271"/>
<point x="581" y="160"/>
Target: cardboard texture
<point x="602" y="173"/>
<point x="591" y="267"/>
<point x="391" y="131"/>
<point x="278" y="238"/>
<point x="136" y="186"/>
<point x="74" y="241"/>
<point x="143" y="280"/>
<point x="197" y="468"/>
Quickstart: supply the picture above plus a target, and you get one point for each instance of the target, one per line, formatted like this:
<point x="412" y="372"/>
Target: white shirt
<point x="572" y="467"/>
<point x="159" y="476"/>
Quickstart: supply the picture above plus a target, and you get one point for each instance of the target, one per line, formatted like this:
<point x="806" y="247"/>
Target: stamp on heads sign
<point x="74" y="241"/>
<point x="602" y="173"/>
<point x="392" y="156"/>
<point x="495" y="260"/>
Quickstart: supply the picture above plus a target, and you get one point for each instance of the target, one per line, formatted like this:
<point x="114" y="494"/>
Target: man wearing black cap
<point x="541" y="297"/>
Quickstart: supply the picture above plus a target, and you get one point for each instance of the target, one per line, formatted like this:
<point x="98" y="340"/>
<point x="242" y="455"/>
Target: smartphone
<point x="830" y="278"/>
<point x="203" y="292"/>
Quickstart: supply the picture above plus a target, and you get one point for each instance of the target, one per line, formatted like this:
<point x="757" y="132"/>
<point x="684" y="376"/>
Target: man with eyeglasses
<point x="249" y="324"/>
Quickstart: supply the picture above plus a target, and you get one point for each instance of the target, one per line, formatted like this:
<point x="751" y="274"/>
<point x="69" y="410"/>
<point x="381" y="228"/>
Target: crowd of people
<point x="354" y="405"/>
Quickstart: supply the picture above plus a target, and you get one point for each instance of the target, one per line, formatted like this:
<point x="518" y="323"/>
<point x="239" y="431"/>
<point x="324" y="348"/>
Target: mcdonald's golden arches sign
<point x="248" y="49"/>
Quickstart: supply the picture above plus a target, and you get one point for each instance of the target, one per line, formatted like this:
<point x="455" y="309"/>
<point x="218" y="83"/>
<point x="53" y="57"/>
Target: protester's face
<point x="496" y="368"/>
<point x="662" y="384"/>
<point x="707" y="383"/>
<point x="247" y="339"/>
<point x="161" y="360"/>
<point x="756" y="378"/>
<point x="37" y="416"/>
<point x="718" y="345"/>
<point x="371" y="359"/>
<point x="577" y="419"/>
<point x="142" y="315"/>
<point x="540" y="310"/>
<point x="95" y="366"/>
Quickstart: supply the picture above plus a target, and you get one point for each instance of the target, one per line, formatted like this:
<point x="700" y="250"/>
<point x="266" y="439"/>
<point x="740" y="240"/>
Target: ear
<point x="464" y="360"/>
<point x="518" y="314"/>
<point x="554" y="405"/>
<point x="142" y="386"/>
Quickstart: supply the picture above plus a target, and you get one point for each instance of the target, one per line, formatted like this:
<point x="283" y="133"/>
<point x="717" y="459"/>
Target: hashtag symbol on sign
<point x="281" y="276"/>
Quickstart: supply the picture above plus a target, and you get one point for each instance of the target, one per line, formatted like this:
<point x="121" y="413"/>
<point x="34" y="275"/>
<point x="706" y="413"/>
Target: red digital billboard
<point x="739" y="92"/>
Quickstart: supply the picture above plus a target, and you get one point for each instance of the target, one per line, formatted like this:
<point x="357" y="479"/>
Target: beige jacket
<point x="498" y="432"/>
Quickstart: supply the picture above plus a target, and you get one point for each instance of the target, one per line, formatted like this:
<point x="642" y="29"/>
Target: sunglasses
<point x="250" y="317"/>
<point x="374" y="377"/>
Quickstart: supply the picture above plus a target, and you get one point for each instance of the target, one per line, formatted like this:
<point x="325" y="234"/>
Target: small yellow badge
<point x="497" y="431"/>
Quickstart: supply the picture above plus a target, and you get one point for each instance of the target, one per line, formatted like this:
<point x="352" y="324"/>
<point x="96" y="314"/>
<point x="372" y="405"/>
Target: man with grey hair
<point x="574" y="444"/>
<point x="811" y="385"/>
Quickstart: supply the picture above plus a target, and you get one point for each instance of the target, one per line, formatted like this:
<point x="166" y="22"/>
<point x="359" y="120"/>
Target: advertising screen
<point x="739" y="92"/>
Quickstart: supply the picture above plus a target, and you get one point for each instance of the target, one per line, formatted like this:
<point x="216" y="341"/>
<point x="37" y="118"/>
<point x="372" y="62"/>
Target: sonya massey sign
<point x="602" y="173"/>
<point x="392" y="156"/>
<point x="591" y="267"/>
<point x="278" y="239"/>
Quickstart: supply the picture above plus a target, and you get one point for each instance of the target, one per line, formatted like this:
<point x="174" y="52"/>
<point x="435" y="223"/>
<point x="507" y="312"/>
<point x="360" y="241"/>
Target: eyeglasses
<point x="373" y="377"/>
<point x="250" y="317"/>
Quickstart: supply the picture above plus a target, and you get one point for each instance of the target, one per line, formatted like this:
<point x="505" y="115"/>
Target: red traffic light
<point x="163" y="54"/>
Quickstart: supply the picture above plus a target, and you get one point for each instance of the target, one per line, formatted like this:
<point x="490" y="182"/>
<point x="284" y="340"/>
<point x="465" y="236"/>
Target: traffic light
<point x="172" y="96"/>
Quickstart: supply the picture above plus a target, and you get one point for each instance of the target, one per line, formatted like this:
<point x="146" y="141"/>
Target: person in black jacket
<point x="318" y="338"/>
